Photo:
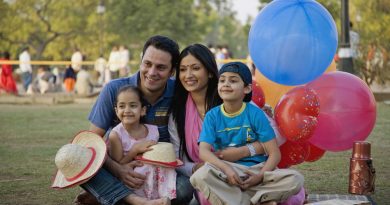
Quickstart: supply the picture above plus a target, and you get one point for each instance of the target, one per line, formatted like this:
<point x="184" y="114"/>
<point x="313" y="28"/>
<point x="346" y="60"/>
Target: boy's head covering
<point x="242" y="70"/>
<point x="80" y="160"/>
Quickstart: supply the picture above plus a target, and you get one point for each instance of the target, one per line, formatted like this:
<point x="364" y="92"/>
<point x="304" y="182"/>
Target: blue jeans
<point x="109" y="190"/>
<point x="27" y="79"/>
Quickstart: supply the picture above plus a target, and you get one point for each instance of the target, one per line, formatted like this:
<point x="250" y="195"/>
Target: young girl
<point x="131" y="137"/>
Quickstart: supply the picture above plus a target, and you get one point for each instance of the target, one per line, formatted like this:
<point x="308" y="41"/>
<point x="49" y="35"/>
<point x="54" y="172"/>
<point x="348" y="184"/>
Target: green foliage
<point x="54" y="28"/>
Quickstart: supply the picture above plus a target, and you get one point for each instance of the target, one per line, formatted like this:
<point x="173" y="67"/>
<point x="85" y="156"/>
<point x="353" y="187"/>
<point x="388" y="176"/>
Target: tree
<point x="39" y="23"/>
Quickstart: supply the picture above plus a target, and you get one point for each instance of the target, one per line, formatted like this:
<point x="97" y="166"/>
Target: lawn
<point x="31" y="134"/>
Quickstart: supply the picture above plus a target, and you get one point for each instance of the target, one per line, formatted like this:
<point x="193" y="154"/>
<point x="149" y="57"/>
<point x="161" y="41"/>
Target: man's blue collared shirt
<point x="103" y="114"/>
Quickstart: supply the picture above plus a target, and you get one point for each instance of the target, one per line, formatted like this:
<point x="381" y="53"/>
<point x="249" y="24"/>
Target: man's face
<point x="155" y="70"/>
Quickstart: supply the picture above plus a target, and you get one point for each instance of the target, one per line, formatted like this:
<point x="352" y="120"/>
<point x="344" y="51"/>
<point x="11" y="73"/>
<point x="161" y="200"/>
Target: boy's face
<point x="231" y="87"/>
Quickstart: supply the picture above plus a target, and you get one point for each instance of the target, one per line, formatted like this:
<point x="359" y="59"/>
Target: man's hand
<point x="252" y="180"/>
<point x="131" y="178"/>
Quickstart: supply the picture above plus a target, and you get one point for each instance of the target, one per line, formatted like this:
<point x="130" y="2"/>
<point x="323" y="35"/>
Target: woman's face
<point x="193" y="75"/>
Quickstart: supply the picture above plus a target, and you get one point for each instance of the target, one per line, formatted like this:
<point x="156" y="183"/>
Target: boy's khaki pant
<point x="277" y="185"/>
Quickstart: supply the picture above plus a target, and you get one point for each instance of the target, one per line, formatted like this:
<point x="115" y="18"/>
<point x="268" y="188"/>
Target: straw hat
<point x="78" y="161"/>
<point x="162" y="154"/>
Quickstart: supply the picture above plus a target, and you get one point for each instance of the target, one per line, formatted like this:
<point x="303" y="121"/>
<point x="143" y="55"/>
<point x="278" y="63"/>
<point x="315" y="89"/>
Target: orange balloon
<point x="274" y="91"/>
<point x="332" y="67"/>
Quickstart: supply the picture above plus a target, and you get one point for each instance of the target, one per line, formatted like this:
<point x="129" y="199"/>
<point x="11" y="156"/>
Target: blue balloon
<point x="292" y="42"/>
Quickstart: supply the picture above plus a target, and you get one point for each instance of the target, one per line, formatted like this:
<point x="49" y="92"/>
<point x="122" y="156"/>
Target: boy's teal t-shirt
<point x="249" y="124"/>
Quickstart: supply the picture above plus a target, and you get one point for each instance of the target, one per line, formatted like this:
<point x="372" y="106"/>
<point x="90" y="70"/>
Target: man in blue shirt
<point x="159" y="59"/>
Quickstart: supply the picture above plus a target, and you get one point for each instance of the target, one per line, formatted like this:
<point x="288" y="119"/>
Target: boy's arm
<point x="271" y="163"/>
<point x="207" y="156"/>
<point x="233" y="154"/>
<point x="273" y="155"/>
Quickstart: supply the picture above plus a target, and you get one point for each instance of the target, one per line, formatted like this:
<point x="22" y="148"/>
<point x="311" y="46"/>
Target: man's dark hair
<point x="166" y="44"/>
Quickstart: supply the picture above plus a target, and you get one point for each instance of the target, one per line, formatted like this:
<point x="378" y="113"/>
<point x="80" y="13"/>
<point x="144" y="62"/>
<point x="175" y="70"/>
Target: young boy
<point x="250" y="180"/>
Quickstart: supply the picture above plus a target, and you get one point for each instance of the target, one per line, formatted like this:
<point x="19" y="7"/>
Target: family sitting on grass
<point x="226" y="143"/>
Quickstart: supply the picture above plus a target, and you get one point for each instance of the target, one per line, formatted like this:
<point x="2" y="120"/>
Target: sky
<point x="245" y="8"/>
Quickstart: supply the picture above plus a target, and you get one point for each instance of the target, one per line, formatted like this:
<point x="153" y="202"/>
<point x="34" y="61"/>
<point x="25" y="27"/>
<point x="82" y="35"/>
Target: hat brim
<point x="86" y="139"/>
<point x="174" y="164"/>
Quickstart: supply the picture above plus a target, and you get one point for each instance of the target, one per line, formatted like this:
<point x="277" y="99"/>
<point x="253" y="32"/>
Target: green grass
<point x="30" y="136"/>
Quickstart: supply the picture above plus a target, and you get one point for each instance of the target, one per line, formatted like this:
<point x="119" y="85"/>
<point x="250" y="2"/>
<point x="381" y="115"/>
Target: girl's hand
<point x="144" y="146"/>
<point x="232" y="176"/>
<point x="252" y="180"/>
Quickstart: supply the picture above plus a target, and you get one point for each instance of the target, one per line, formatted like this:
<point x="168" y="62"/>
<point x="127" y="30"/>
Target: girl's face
<point x="231" y="87"/>
<point x="129" y="109"/>
<point x="193" y="75"/>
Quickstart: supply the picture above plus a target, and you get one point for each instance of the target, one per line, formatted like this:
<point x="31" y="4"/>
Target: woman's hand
<point x="268" y="110"/>
<point x="197" y="166"/>
<point x="251" y="180"/>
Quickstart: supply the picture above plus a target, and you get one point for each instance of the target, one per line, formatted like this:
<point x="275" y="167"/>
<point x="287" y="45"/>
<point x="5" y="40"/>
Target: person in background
<point x="100" y="67"/>
<point x="69" y="79"/>
<point x="25" y="68"/>
<point x="77" y="60"/>
<point x="84" y="85"/>
<point x="7" y="82"/>
<point x="124" y="57"/>
<point x="114" y="62"/>
<point x="44" y="81"/>
<point x="354" y="38"/>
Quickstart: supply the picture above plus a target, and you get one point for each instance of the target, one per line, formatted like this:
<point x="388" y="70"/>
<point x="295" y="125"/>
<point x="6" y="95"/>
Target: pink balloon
<point x="347" y="113"/>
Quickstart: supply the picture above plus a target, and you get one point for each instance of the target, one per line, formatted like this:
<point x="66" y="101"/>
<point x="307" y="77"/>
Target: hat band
<point x="86" y="167"/>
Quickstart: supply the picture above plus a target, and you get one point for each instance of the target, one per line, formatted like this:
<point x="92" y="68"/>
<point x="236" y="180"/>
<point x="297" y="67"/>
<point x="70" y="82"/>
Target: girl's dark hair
<point x="178" y="109"/>
<point x="137" y="91"/>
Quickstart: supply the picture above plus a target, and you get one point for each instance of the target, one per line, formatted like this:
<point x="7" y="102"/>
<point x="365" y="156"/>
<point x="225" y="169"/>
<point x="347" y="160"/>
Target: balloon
<point x="257" y="94"/>
<point x="293" y="42"/>
<point x="314" y="153"/>
<point x="296" y="114"/>
<point x="273" y="91"/>
<point x="347" y="114"/>
<point x="296" y="199"/>
<point x="293" y="153"/>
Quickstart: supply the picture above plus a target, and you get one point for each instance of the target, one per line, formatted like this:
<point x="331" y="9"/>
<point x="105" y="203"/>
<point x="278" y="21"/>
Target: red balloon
<point x="314" y="153"/>
<point x="257" y="94"/>
<point x="296" y="114"/>
<point x="348" y="111"/>
<point x="293" y="153"/>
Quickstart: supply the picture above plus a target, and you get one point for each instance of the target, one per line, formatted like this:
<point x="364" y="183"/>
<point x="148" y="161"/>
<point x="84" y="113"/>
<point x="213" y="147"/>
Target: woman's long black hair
<point x="178" y="109"/>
